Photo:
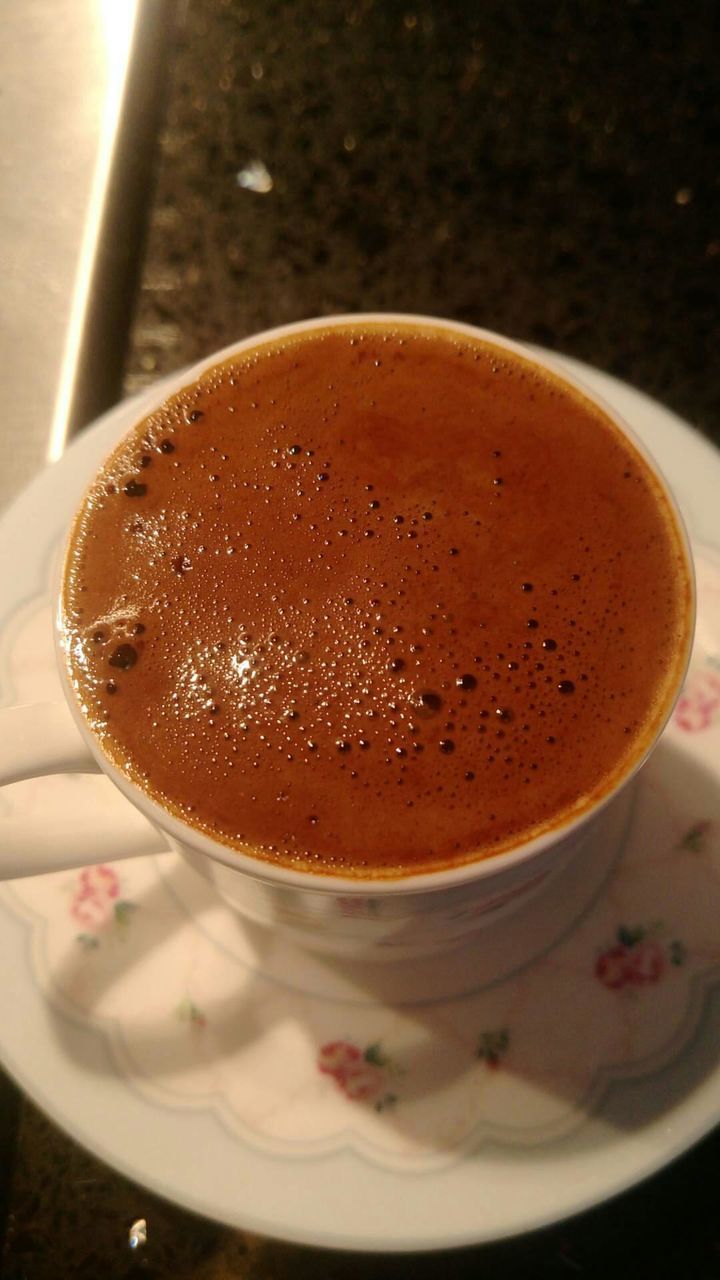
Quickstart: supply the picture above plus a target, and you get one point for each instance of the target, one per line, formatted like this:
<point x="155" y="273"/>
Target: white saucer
<point x="355" y="1108"/>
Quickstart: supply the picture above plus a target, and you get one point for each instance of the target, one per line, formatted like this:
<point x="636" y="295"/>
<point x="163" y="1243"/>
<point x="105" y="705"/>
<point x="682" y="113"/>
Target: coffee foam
<point x="375" y="602"/>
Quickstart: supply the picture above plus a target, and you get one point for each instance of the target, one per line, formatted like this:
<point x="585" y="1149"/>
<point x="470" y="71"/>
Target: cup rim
<point x="483" y="867"/>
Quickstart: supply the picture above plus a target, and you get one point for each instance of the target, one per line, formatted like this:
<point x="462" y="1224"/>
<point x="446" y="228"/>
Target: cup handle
<point x="41" y="739"/>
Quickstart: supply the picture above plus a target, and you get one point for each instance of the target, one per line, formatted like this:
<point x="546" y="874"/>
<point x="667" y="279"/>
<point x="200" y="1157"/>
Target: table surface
<point x="549" y="172"/>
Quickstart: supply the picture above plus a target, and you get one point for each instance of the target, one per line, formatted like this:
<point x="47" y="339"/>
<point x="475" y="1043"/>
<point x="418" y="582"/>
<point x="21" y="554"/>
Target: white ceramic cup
<point x="365" y="919"/>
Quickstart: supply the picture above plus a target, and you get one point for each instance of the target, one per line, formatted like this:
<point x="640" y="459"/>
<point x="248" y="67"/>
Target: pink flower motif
<point x="637" y="958"/>
<point x="360" y="1075"/>
<point x="699" y="701"/>
<point x="338" y="1057"/>
<point x="97" y="888"/>
<point x="611" y="968"/>
<point x="363" y="1084"/>
<point x="647" y="963"/>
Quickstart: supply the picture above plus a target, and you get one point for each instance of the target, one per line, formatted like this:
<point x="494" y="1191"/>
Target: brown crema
<point x="375" y="601"/>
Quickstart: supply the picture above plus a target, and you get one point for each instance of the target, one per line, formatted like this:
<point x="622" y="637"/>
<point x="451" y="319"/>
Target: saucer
<point x="570" y="1051"/>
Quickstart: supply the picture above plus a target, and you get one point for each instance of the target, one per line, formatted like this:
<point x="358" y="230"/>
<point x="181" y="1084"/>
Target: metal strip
<point x="81" y="93"/>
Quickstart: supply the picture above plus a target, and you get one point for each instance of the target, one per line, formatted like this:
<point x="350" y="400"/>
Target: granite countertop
<point x="551" y="176"/>
<point x="548" y="172"/>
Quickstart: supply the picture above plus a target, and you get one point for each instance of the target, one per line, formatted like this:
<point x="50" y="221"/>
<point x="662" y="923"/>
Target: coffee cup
<point x="363" y="908"/>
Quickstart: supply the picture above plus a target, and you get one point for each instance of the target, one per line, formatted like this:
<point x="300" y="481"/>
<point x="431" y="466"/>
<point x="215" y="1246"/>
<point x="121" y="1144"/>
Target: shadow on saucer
<point x="617" y="1021"/>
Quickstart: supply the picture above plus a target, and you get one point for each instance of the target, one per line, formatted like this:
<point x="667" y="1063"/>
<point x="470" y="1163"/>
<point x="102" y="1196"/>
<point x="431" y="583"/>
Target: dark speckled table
<point x="549" y="171"/>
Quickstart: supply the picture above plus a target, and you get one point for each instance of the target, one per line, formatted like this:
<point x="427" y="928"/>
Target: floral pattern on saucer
<point x="698" y="707"/>
<point x="363" y="1075"/>
<point x="638" y="957"/>
<point x="145" y="953"/>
